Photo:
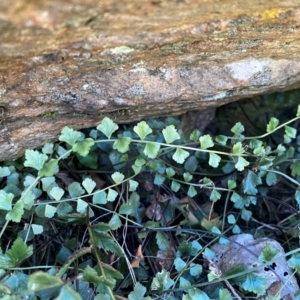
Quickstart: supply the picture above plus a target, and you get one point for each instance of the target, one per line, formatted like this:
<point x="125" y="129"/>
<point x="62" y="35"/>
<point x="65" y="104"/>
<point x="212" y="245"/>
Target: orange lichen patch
<point x="270" y="13"/>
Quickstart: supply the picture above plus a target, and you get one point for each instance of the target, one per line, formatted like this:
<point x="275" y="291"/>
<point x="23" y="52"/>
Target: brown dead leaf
<point x="162" y="197"/>
<point x="138" y="256"/>
<point x="153" y="211"/>
<point x="274" y="288"/>
<point x="165" y="258"/>
<point x="148" y="184"/>
<point x="146" y="181"/>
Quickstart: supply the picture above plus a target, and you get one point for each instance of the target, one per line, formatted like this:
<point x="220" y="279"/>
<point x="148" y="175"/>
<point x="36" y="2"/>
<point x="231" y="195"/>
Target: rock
<point x="73" y="62"/>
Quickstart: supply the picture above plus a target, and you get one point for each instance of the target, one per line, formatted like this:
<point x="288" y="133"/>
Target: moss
<point x="50" y="114"/>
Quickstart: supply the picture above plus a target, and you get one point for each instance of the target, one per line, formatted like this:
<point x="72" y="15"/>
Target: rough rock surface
<point x="73" y="62"/>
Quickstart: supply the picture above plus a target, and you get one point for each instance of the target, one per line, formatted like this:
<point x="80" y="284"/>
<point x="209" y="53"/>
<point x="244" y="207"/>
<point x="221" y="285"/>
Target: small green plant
<point x="110" y="213"/>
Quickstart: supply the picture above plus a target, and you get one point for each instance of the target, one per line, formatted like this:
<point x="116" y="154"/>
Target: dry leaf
<point x="138" y="256"/>
<point x="146" y="181"/>
<point x="162" y="197"/>
<point x="274" y="288"/>
<point x="165" y="258"/>
<point x="244" y="249"/>
<point x="153" y="211"/>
